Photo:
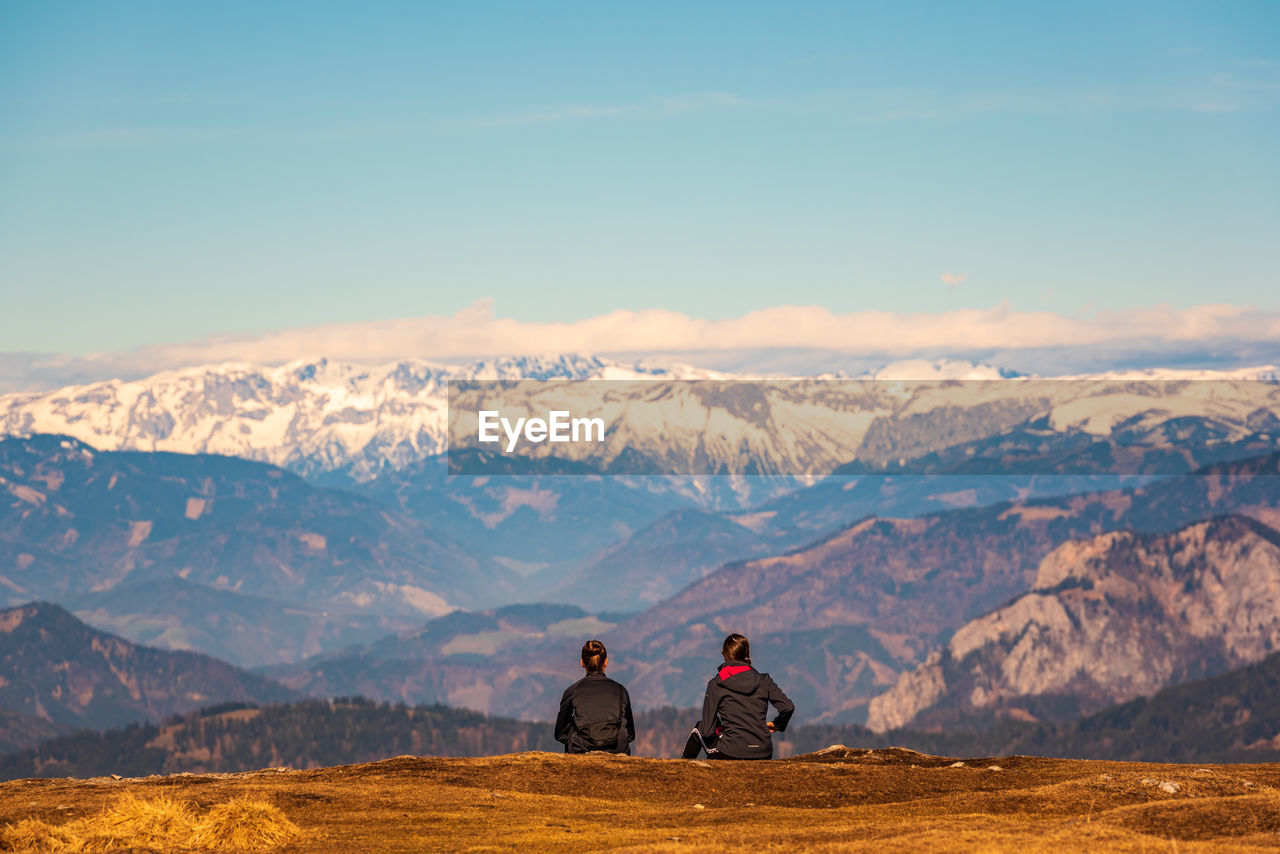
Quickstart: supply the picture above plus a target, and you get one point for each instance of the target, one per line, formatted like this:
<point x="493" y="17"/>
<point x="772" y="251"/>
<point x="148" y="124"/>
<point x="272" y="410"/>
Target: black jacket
<point x="735" y="708"/>
<point x="594" y="711"/>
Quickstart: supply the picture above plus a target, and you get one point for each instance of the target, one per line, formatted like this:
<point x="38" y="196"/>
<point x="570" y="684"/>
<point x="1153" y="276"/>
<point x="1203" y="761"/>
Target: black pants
<point x="576" y="745"/>
<point x="698" y="742"/>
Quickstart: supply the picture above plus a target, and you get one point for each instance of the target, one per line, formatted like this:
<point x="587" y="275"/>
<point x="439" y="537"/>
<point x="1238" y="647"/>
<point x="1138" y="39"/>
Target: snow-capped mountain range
<point x="315" y="415"/>
<point x="311" y="415"/>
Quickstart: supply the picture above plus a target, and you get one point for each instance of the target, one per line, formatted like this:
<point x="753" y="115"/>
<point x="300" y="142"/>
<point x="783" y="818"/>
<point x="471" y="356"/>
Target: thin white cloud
<point x="649" y="110"/>
<point x="1219" y="335"/>
<point x="875" y="105"/>
<point x="477" y="331"/>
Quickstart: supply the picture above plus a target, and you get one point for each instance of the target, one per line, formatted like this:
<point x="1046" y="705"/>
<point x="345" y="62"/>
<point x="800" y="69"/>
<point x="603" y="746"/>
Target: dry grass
<point x="841" y="800"/>
<point x="159" y="822"/>
<point x="243" y="824"/>
<point x="31" y="834"/>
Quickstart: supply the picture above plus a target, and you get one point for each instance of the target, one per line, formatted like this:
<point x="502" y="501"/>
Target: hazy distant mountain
<point x="247" y="631"/>
<point x="661" y="559"/>
<point x="536" y="525"/>
<point x="255" y="565"/>
<point x="54" y="667"/>
<point x="74" y="521"/>
<point x="482" y="660"/>
<point x="681" y="547"/>
<point x="649" y="536"/>
<point x="837" y="621"/>
<point x="1108" y="619"/>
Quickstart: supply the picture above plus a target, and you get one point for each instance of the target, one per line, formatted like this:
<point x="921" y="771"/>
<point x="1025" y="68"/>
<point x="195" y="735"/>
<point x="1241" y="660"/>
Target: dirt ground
<point x="835" y="800"/>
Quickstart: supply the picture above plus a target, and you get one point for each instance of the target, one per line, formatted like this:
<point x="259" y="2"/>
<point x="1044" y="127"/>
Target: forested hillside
<point x="1234" y="717"/>
<point x="307" y="734"/>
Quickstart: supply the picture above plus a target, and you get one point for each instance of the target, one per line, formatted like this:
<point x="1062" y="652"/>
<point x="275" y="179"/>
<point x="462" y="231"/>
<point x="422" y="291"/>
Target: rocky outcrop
<point x="1108" y="619"/>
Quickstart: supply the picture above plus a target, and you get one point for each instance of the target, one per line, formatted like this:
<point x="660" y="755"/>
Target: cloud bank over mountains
<point x="787" y="337"/>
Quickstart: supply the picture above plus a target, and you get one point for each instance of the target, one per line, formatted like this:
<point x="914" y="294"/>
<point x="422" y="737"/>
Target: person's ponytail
<point x="593" y="656"/>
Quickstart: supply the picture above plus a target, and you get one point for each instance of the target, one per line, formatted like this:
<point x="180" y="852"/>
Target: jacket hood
<point x="738" y="677"/>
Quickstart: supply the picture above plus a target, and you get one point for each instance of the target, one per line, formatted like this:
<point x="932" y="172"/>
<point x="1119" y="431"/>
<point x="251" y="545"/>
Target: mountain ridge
<point x="323" y="418"/>
<point x="55" y="668"/>
<point x="309" y="415"/>
<point x="79" y="520"/>
<point x="243" y="630"/>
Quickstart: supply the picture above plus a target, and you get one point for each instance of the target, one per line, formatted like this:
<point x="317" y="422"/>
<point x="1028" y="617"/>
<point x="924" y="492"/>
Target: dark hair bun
<point x="593" y="656"/>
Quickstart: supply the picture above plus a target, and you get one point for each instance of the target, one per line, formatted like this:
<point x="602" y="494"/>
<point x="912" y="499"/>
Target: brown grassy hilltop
<point x="839" y="799"/>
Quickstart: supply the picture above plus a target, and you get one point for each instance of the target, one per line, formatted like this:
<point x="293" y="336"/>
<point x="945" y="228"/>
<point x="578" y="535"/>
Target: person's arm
<point x="626" y="713"/>
<point x="564" y="720"/>
<point x="710" y="705"/>
<point x="783" y="704"/>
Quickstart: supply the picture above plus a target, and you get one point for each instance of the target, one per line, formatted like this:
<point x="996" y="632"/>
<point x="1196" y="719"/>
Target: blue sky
<point x="173" y="171"/>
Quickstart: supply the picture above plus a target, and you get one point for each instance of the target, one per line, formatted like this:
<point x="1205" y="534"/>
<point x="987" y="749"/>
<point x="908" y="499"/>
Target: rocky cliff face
<point x="1108" y="619"/>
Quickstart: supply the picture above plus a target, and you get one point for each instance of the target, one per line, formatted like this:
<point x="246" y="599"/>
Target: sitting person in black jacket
<point x="595" y="711"/>
<point x="734" y="721"/>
